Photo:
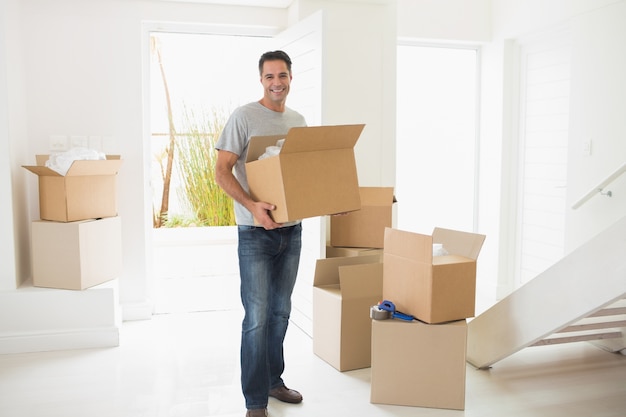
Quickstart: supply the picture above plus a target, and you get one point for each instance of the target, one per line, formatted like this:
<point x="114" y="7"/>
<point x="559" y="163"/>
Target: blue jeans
<point x="268" y="265"/>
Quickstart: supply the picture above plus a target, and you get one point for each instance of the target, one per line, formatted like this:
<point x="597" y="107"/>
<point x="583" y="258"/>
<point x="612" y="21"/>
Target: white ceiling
<point x="279" y="4"/>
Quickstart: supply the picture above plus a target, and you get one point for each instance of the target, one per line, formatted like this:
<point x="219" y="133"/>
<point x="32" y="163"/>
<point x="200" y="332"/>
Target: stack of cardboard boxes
<point x="350" y="280"/>
<point x="422" y="362"/>
<point x="77" y="243"/>
<point x="413" y="363"/>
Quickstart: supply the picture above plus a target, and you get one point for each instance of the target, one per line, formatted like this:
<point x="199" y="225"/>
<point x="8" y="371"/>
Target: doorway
<point x="437" y="137"/>
<point x="205" y="74"/>
<point x="239" y="48"/>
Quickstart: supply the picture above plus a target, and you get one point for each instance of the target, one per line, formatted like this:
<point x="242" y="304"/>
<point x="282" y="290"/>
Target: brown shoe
<point x="286" y="395"/>
<point x="257" y="412"/>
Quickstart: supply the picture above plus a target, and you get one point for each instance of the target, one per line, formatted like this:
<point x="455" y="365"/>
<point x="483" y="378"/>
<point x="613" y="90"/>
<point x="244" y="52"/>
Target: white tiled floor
<point x="186" y="365"/>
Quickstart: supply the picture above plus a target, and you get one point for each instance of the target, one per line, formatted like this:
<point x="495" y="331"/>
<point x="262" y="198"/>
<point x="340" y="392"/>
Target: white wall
<point x="445" y="20"/>
<point x="7" y="248"/>
<point x="513" y="18"/>
<point x="598" y="106"/>
<point x="359" y="79"/>
<point x="11" y="242"/>
<point x="597" y="99"/>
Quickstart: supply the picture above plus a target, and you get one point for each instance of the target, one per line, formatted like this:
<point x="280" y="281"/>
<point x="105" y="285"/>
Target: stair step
<point x="581" y="338"/>
<point x="612" y="311"/>
<point x="594" y="326"/>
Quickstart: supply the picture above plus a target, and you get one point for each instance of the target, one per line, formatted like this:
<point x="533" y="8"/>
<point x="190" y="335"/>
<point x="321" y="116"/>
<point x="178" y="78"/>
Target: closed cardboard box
<point x="365" y="228"/>
<point x="344" y="289"/>
<point x="418" y="364"/>
<point x="434" y="289"/>
<point x="313" y="175"/>
<point x="76" y="255"/>
<point x="86" y="191"/>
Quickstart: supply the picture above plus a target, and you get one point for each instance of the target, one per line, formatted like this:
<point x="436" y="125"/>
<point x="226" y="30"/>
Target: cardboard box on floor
<point x="313" y="175"/>
<point x="344" y="289"/>
<point x="418" y="364"/>
<point x="87" y="191"/>
<point x="434" y="289"/>
<point x="340" y="252"/>
<point x="76" y="255"/>
<point x="365" y="228"/>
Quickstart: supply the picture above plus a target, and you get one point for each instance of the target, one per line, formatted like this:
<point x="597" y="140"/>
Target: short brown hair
<point x="274" y="56"/>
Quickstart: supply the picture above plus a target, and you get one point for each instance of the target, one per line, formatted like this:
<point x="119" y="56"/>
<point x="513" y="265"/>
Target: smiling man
<point x="269" y="253"/>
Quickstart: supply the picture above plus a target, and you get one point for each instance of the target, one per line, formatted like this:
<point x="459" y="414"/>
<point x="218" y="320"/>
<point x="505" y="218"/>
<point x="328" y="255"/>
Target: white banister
<point x="598" y="188"/>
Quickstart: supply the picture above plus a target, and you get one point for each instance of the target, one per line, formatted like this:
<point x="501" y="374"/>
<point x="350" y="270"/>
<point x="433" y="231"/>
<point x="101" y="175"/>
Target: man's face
<point x="276" y="81"/>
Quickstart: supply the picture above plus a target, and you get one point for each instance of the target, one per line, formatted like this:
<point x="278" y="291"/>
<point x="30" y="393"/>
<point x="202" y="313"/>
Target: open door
<point x="303" y="43"/>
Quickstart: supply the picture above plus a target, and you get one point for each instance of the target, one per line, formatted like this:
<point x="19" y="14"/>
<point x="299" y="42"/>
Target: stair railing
<point x="600" y="187"/>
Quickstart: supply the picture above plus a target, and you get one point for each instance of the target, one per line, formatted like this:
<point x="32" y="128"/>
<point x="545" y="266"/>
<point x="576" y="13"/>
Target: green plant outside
<point x="207" y="203"/>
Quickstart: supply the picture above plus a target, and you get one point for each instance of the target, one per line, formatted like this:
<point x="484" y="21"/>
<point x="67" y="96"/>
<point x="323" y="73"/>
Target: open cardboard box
<point x="434" y="289"/>
<point x="313" y="175"/>
<point x="87" y="191"/>
<point x="365" y="228"/>
<point x="344" y="289"/>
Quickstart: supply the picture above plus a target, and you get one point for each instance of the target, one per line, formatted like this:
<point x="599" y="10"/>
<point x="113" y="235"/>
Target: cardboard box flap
<point x="459" y="243"/>
<point x="258" y="144"/>
<point x="42" y="171"/>
<point x="320" y="138"/>
<point x="408" y="245"/>
<point x="110" y="166"/>
<point x="41" y="159"/>
<point x="327" y="270"/>
<point x="377" y="196"/>
<point x="358" y="281"/>
<point x="99" y="167"/>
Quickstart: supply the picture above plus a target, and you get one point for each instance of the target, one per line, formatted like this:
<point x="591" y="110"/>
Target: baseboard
<point x="61" y="340"/>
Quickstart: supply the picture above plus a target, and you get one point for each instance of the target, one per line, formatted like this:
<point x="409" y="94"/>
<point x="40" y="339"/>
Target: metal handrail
<point x="600" y="187"/>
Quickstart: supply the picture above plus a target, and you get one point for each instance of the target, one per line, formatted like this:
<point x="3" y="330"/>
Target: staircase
<point x="580" y="298"/>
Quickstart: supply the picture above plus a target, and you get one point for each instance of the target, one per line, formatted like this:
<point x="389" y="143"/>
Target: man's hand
<point x="261" y="214"/>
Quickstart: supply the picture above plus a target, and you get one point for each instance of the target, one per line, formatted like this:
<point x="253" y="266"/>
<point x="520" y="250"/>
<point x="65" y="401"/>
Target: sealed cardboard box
<point x="313" y="175"/>
<point x="418" y="364"/>
<point x="76" y="255"/>
<point x="365" y="228"/>
<point x="344" y="289"/>
<point x="435" y="289"/>
<point x="86" y="191"/>
<point x="340" y="252"/>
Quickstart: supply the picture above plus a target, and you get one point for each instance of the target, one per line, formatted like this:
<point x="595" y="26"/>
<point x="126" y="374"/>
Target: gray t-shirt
<point x="252" y="119"/>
